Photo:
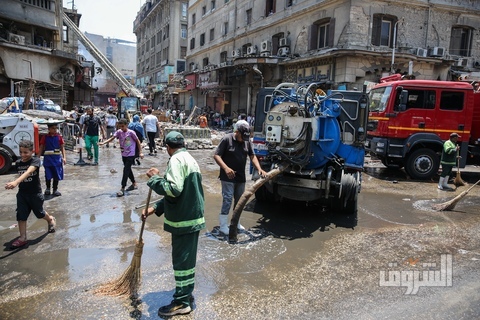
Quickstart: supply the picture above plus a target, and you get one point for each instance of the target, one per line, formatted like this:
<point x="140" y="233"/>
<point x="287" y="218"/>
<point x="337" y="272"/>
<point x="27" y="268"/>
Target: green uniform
<point x="183" y="205"/>
<point x="449" y="155"/>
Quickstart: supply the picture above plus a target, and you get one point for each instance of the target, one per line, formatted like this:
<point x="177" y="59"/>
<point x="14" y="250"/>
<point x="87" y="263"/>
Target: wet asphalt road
<point x="299" y="263"/>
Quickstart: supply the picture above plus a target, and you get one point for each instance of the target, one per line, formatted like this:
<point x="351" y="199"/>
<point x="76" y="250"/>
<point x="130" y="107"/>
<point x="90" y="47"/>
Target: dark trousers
<point x="184" y="259"/>
<point x="127" y="170"/>
<point x="446" y="170"/>
<point x="151" y="140"/>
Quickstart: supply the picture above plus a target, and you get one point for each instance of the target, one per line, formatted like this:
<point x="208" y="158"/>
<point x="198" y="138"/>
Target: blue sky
<point x="108" y="18"/>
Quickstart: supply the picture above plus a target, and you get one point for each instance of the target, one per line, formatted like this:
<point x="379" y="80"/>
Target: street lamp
<point x="392" y="69"/>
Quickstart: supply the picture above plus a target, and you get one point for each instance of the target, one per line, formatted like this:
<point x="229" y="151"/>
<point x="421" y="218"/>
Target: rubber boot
<point x="223" y="218"/>
<point x="445" y="184"/>
<point x="440" y="183"/>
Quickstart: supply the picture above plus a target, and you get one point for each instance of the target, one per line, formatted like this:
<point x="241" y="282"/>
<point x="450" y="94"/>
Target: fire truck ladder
<point x="98" y="55"/>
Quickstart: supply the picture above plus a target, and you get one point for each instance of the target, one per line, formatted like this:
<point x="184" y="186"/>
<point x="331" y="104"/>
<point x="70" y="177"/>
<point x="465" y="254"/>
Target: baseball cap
<point x="454" y="134"/>
<point x="244" y="128"/>
<point x="175" y="138"/>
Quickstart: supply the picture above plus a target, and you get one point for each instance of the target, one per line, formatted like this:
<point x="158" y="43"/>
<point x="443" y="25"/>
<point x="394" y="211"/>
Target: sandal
<point x="18" y="243"/>
<point x="132" y="187"/>
<point x="120" y="193"/>
<point x="51" y="226"/>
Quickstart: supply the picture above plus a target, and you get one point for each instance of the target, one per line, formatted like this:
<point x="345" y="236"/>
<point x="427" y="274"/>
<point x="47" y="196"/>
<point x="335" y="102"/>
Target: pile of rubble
<point x="195" y="137"/>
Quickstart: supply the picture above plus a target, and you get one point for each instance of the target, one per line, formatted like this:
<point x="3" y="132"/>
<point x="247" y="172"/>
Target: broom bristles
<point x="129" y="281"/>
<point x="458" y="180"/>
<point x="450" y="205"/>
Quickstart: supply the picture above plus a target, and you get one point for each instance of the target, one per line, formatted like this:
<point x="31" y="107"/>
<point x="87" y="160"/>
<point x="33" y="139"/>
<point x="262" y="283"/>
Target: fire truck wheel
<point x="5" y="160"/>
<point x="422" y="164"/>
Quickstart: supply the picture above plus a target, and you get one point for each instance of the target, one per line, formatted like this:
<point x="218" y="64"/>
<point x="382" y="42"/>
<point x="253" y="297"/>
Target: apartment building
<point x="161" y="30"/>
<point x="237" y="46"/>
<point x="36" y="45"/>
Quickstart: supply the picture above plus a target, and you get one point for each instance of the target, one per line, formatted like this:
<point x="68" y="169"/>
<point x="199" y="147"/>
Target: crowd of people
<point x="180" y="185"/>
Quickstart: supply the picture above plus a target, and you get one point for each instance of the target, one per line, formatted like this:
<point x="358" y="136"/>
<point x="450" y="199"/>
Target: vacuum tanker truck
<point x="319" y="137"/>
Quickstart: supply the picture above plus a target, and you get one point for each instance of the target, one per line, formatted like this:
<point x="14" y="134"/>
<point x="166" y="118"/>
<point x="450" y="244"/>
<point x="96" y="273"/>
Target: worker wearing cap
<point x="231" y="156"/>
<point x="448" y="160"/>
<point x="183" y="205"/>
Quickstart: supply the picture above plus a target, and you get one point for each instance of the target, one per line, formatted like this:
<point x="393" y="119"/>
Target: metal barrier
<point x="71" y="140"/>
<point x="69" y="132"/>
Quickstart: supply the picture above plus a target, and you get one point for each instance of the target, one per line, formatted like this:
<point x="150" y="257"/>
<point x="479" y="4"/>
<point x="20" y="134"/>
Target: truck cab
<point x="409" y="120"/>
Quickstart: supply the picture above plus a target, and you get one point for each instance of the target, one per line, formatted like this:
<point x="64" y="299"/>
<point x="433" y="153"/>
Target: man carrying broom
<point x="448" y="160"/>
<point x="183" y="205"/>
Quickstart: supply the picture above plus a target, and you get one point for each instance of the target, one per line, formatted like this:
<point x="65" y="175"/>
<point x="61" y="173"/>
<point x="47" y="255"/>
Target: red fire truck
<point x="409" y="120"/>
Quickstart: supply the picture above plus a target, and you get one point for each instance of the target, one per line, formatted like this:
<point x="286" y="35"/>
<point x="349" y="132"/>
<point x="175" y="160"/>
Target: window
<point x="223" y="56"/>
<point x="147" y="47"/>
<point x="204" y="10"/>
<point x="451" y="100"/>
<point x="212" y="34"/>
<point x="192" y="43"/>
<point x="158" y="58"/>
<point x="152" y="43"/>
<point x="382" y="31"/>
<point x="159" y="37"/>
<point x="183" y="52"/>
<point x="194" y="18"/>
<point x="321" y="34"/>
<point x="184" y="10"/>
<point x="225" y="28"/>
<point x="270" y="7"/>
<point x="167" y="31"/>
<point x="213" y="5"/>
<point x="183" y="32"/>
<point x="202" y="39"/>
<point x="249" y="16"/>
<point x="461" y="41"/>
<point x="65" y="33"/>
<point x="289" y="3"/>
<point x="205" y="62"/>
<point x="420" y="99"/>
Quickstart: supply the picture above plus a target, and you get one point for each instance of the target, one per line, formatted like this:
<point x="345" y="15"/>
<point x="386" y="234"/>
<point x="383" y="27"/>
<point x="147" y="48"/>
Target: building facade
<point x="38" y="53"/>
<point x="161" y="30"/>
<point x="121" y="53"/>
<point x="236" y="47"/>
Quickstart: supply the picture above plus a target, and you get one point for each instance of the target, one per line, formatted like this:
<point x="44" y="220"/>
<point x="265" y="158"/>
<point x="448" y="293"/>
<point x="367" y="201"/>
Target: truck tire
<point x="347" y="203"/>
<point x="262" y="194"/>
<point x="422" y="164"/>
<point x="6" y="160"/>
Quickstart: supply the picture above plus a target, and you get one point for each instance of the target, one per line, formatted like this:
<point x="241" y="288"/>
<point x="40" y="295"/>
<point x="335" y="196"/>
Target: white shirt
<point x="150" y="122"/>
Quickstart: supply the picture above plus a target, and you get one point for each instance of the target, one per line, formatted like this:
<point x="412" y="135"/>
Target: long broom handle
<point x="147" y="204"/>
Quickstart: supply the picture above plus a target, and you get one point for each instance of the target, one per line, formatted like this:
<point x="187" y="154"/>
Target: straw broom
<point x="458" y="179"/>
<point x="450" y="205"/>
<point x="129" y="281"/>
<point x="237" y="211"/>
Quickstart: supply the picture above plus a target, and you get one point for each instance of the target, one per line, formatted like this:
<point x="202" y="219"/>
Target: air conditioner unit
<point x="283" y="52"/>
<point x="283" y="42"/>
<point x="236" y="53"/>
<point x="266" y="46"/>
<point x="15" y="38"/>
<point x="252" y="50"/>
<point x="265" y="54"/>
<point x="421" y="52"/>
<point x="436" y="52"/>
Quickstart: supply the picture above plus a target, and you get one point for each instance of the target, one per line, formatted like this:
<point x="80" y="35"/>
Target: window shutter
<point x="312" y="37"/>
<point x="376" y="30"/>
<point x="331" y="33"/>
